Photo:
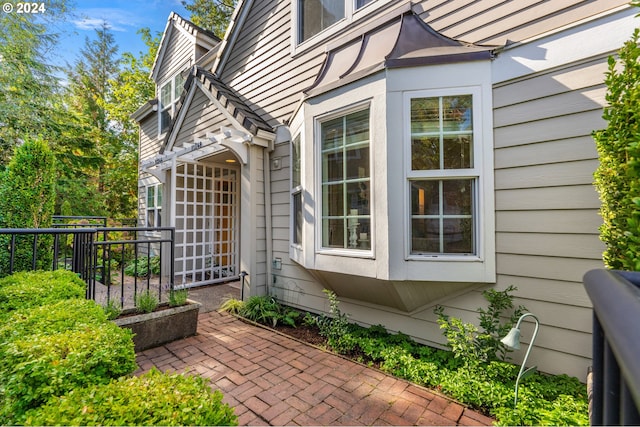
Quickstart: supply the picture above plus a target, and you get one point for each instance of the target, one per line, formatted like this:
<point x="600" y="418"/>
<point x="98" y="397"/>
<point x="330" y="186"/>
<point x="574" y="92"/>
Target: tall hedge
<point x="618" y="175"/>
<point x="27" y="199"/>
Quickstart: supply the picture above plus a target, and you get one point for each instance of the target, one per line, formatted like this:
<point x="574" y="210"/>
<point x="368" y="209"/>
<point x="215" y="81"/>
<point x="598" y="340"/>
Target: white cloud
<point x="116" y="19"/>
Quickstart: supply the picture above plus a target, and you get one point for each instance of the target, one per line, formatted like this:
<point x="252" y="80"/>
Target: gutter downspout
<point x="267" y="213"/>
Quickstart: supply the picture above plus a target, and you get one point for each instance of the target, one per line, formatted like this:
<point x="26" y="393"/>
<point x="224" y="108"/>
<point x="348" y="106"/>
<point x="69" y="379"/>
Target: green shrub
<point x="36" y="367"/>
<point x="616" y="177"/>
<point x="50" y="319"/>
<point x="472" y="345"/>
<point x="151" y="399"/>
<point x="146" y="302"/>
<point x="27" y="199"/>
<point x="32" y="289"/>
<point x="262" y="309"/>
<point x="334" y="327"/>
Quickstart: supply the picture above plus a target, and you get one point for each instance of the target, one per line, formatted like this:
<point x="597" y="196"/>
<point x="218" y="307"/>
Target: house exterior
<point x="403" y="154"/>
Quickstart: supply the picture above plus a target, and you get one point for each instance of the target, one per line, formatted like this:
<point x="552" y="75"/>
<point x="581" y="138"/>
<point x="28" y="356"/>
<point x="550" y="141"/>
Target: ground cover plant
<point x="485" y="383"/>
<point x="55" y="344"/>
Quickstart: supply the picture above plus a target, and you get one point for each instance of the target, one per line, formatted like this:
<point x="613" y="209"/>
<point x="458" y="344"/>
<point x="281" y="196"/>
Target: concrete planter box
<point x="164" y="325"/>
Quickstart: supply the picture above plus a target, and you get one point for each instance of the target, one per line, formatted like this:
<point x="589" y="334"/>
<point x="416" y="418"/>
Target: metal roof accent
<point x="404" y="41"/>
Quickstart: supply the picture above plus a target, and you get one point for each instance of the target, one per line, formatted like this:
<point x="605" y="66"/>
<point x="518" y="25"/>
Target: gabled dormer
<point x="183" y="44"/>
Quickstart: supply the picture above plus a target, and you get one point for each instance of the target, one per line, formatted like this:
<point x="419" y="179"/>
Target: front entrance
<point x="206" y="221"/>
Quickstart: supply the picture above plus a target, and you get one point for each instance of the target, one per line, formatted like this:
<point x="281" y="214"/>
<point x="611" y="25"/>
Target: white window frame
<point x="296" y="191"/>
<point x="347" y="252"/>
<point x="175" y="83"/>
<point x="156" y="209"/>
<point x="475" y="173"/>
<point x="352" y="14"/>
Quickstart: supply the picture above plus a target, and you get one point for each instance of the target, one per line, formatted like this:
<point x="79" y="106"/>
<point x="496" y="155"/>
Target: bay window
<point x="346" y="181"/>
<point x="442" y="176"/>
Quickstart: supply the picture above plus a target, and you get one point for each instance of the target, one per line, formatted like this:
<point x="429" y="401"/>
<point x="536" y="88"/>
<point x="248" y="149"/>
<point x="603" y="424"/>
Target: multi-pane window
<point x="443" y="179"/>
<point x="296" y="192"/>
<point x="154" y="206"/>
<point x="346" y="181"/>
<point x="316" y="15"/>
<point x="169" y="94"/>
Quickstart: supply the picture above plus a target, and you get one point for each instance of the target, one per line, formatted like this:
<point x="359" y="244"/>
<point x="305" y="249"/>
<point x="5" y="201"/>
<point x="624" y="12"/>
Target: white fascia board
<point x="160" y="54"/>
<point x="597" y="36"/>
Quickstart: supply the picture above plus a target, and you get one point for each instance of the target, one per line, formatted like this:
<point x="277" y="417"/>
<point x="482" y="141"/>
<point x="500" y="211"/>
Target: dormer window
<point x="170" y="92"/>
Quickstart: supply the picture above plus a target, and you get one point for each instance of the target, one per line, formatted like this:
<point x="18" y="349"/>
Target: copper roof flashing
<point x="405" y="41"/>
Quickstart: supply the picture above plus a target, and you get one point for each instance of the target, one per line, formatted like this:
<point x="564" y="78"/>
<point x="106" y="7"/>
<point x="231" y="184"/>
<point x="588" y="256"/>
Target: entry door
<point x="206" y="224"/>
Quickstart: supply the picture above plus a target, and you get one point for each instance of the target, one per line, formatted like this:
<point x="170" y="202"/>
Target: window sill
<point x="444" y="258"/>
<point x="347" y="253"/>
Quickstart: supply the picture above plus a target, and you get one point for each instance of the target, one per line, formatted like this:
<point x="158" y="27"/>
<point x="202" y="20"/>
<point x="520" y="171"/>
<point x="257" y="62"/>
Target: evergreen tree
<point x="130" y="89"/>
<point x="89" y="92"/>
<point x="212" y="15"/>
<point x="28" y="86"/>
<point x="27" y="197"/>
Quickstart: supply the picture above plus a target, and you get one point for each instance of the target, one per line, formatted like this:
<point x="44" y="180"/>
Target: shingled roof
<point x="226" y="96"/>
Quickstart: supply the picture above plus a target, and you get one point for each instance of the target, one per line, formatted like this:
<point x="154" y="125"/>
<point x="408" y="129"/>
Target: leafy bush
<point x="616" y="177"/>
<point x="472" y="345"/>
<point x="38" y="366"/>
<point x="27" y="199"/>
<point x="143" y="266"/>
<point x="334" y="327"/>
<point x="265" y="309"/>
<point x="32" y="289"/>
<point x="48" y="319"/>
<point x="146" y="302"/>
<point x="151" y="399"/>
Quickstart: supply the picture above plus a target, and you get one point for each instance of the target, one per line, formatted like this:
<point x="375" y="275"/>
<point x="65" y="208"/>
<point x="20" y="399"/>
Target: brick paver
<point x="271" y="379"/>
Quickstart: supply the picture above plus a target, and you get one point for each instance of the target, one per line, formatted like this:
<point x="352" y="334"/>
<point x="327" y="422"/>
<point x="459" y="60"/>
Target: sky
<point x="124" y="17"/>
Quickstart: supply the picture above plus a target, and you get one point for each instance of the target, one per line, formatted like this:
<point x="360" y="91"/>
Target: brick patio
<point x="271" y="379"/>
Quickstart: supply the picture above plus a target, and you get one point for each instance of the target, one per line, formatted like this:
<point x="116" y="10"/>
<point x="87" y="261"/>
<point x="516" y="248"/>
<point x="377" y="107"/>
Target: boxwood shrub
<point x="151" y="399"/>
<point x="35" y="367"/>
<point x="36" y="288"/>
<point x="50" y="319"/>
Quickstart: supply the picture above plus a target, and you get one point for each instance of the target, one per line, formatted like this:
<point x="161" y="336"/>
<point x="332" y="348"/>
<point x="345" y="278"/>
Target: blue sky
<point x="124" y="17"/>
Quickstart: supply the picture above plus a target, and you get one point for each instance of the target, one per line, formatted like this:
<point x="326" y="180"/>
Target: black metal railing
<point x="115" y="262"/>
<point x="615" y="297"/>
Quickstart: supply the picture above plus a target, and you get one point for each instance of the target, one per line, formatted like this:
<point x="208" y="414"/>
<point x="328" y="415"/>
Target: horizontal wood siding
<point x="263" y="71"/>
<point x="201" y="117"/>
<point x="149" y="143"/>
<point x="494" y="22"/>
<point x="177" y="56"/>
<point x="547" y="208"/>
